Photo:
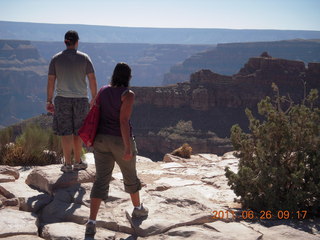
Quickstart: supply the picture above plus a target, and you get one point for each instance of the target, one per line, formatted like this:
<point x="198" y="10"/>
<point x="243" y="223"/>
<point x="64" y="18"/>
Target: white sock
<point x="139" y="208"/>
<point x="91" y="221"/>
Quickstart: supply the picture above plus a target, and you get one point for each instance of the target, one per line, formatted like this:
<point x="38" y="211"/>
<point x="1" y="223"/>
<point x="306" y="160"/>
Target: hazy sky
<point x="235" y="14"/>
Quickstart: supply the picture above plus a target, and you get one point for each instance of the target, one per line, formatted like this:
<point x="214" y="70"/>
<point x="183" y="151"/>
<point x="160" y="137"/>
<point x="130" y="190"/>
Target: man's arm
<point x="50" y="92"/>
<point x="92" y="86"/>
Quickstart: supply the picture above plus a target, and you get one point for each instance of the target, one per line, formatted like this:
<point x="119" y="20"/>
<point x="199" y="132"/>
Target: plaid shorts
<point x="69" y="114"/>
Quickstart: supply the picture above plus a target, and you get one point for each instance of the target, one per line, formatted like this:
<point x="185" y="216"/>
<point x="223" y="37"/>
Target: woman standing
<point x="114" y="143"/>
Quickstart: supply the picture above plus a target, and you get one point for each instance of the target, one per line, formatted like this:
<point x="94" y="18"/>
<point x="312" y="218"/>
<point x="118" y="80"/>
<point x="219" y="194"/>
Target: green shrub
<point x="182" y="131"/>
<point x="34" y="140"/>
<point x="184" y="126"/>
<point x="279" y="159"/>
<point x="6" y="136"/>
<point x="35" y="146"/>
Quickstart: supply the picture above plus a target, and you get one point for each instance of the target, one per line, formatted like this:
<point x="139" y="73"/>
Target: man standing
<point x="67" y="74"/>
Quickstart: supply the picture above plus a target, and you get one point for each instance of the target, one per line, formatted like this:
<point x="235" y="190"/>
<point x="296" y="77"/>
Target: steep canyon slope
<point x="200" y="111"/>
<point x="24" y="66"/>
<point x="22" y="81"/>
<point x="214" y="102"/>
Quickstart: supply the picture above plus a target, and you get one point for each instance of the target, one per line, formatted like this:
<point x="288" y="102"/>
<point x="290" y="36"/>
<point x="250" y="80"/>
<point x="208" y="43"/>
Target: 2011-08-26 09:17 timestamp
<point x="261" y="215"/>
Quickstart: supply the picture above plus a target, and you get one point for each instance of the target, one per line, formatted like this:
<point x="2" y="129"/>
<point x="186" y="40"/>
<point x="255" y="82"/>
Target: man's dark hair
<point x="121" y="75"/>
<point x="71" y="37"/>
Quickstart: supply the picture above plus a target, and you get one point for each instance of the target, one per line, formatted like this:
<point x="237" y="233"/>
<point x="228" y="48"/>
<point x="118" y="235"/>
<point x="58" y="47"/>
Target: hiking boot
<point x="90" y="229"/>
<point x="138" y="213"/>
<point x="66" y="168"/>
<point x="80" y="166"/>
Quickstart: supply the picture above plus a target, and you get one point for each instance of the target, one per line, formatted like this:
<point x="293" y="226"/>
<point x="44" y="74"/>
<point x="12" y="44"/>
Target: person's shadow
<point x="136" y="222"/>
<point x="66" y="180"/>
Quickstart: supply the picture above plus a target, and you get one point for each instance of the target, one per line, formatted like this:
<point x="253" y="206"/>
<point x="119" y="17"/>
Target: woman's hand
<point x="127" y="155"/>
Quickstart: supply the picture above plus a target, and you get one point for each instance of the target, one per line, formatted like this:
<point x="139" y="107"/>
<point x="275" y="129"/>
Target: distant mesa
<point x="20" y="50"/>
<point x="108" y="34"/>
<point x="227" y="59"/>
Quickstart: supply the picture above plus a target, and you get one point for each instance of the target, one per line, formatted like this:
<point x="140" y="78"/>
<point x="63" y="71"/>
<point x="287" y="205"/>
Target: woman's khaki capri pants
<point x="109" y="149"/>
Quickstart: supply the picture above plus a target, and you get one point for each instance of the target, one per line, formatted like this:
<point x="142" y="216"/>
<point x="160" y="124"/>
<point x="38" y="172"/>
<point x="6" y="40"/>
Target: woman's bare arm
<point x="125" y="114"/>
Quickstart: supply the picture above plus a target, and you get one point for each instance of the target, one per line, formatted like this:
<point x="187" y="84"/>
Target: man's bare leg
<point x="77" y="148"/>
<point x="67" y="145"/>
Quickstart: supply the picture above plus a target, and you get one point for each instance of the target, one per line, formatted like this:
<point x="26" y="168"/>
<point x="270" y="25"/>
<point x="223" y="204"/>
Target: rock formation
<point x="24" y="67"/>
<point x="149" y="62"/>
<point x="183" y="196"/>
<point x="214" y="102"/>
<point x="22" y="81"/>
<point x="228" y="58"/>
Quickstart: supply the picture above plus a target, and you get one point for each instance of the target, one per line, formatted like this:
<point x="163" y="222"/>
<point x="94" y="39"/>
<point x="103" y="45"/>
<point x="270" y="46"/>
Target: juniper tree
<point x="279" y="157"/>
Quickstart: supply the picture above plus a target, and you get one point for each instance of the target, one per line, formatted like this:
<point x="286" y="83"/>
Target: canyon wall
<point x="23" y="76"/>
<point x="214" y="102"/>
<point x="24" y="66"/>
<point x="210" y="101"/>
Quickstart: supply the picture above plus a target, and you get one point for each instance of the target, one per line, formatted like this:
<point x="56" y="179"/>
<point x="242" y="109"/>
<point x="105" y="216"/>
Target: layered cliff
<point x="214" y="102"/>
<point x="201" y="112"/>
<point x="22" y="81"/>
<point x="230" y="57"/>
<point x="149" y="62"/>
<point x="24" y="66"/>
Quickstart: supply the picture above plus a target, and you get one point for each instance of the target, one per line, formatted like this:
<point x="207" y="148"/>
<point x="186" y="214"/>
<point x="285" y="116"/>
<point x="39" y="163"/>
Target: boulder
<point x="11" y="202"/>
<point x="30" y="199"/>
<point x="69" y="230"/>
<point x="235" y="230"/>
<point x="16" y="222"/>
<point x="6" y="178"/>
<point x="285" y="230"/>
<point x="49" y="178"/>
<point x="190" y="232"/>
<point x="7" y="170"/>
<point x="170" y="158"/>
<point x="24" y="237"/>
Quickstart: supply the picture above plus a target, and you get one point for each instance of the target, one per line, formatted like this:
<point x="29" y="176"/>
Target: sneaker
<point x="80" y="166"/>
<point x="66" y="168"/>
<point x="138" y="213"/>
<point x="90" y="229"/>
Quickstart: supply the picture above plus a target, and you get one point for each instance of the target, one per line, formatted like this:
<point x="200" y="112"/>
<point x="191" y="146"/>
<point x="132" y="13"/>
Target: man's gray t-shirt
<point x="70" y="68"/>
